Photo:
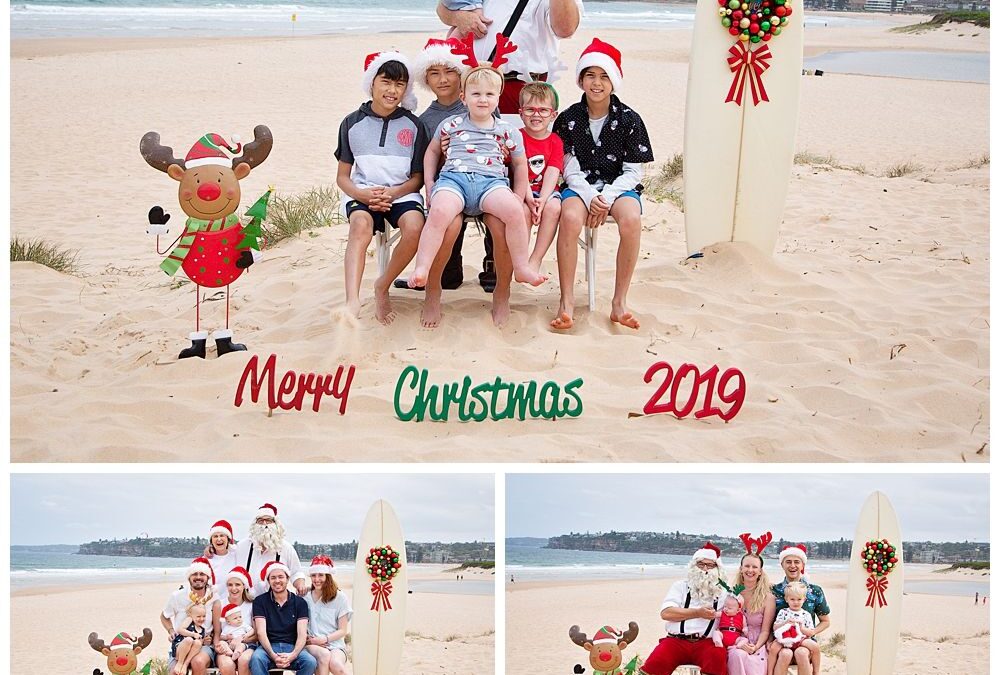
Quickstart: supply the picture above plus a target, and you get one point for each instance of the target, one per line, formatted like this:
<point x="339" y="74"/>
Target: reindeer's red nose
<point x="209" y="192"/>
<point x="605" y="657"/>
<point x="122" y="660"/>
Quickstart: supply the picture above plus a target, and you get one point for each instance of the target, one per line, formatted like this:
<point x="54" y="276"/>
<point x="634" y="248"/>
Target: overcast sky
<point x="316" y="509"/>
<point x="800" y="507"/>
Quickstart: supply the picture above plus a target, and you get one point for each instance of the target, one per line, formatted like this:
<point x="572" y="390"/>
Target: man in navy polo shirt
<point x="281" y="620"/>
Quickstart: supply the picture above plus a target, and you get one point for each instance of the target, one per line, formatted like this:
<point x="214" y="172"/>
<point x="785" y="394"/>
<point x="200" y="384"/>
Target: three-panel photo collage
<point x="452" y="337"/>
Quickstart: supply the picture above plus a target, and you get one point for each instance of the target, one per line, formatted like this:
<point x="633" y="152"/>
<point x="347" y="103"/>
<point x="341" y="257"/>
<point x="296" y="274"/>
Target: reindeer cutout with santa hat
<point x="123" y="651"/>
<point x="606" y="649"/>
<point x="214" y="247"/>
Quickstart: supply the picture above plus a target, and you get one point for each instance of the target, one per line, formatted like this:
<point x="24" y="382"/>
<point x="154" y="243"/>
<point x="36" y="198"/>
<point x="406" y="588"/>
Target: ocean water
<point x="951" y="66"/>
<point x="46" y="568"/>
<point x="528" y="563"/>
<point x="193" y="18"/>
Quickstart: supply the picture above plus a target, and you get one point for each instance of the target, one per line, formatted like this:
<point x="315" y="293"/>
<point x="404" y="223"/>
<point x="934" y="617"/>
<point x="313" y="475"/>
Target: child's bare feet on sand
<point x="430" y="315"/>
<point x="527" y="275"/>
<point x="501" y="307"/>
<point x="621" y="315"/>
<point x="383" y="305"/>
<point x="563" y="320"/>
<point x="418" y="279"/>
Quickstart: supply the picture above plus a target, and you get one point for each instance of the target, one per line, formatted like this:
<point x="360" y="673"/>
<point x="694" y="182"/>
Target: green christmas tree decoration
<point x="257" y="213"/>
<point x="632" y="667"/>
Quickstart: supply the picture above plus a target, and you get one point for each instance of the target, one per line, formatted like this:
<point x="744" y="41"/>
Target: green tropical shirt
<point x="815" y="602"/>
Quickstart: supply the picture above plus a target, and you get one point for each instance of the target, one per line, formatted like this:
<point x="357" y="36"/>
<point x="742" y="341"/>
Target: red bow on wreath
<point x="876" y="589"/>
<point x="748" y="64"/>
<point x="381" y="592"/>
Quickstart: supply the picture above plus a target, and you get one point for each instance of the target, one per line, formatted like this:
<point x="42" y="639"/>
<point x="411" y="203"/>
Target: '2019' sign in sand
<point x="494" y="399"/>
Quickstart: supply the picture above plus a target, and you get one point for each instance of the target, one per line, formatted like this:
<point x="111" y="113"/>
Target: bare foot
<point x="383" y="305"/>
<point x="526" y="275"/>
<point x="501" y="307"/>
<point x="418" y="279"/>
<point x="564" y="321"/>
<point x="177" y="670"/>
<point x="624" y="317"/>
<point x="354" y="307"/>
<point x="430" y="315"/>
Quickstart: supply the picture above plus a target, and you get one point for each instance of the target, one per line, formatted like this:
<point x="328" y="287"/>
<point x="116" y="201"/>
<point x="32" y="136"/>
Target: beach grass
<point x="977" y="162"/>
<point x="292" y="215"/>
<point x="38" y="251"/>
<point x="158" y="666"/>
<point x="975" y="565"/>
<point x="981" y="19"/>
<point x="834" y="646"/>
<point x="902" y="169"/>
<point x="664" y="186"/>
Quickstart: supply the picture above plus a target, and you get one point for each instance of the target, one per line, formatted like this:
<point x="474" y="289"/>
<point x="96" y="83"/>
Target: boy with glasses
<point x="544" y="149"/>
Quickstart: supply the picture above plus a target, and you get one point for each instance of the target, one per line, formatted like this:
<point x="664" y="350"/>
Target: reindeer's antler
<point x="256" y="151"/>
<point x="504" y="47"/>
<point x="464" y="48"/>
<point x="747" y="541"/>
<point x="578" y="636"/>
<point x="97" y="644"/>
<point x="143" y="642"/>
<point x="157" y="156"/>
<point x="632" y="633"/>
<point x="762" y="542"/>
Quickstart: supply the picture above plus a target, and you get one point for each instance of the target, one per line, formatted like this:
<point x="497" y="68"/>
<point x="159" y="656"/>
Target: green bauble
<point x="734" y="4"/>
<point x="784" y="20"/>
<point x="767" y="11"/>
<point x="765" y="26"/>
<point x="779" y="2"/>
<point x="754" y="38"/>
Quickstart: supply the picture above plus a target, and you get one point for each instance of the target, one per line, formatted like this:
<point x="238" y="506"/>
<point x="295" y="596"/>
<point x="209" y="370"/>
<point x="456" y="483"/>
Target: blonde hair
<point x="758" y="596"/>
<point x="482" y="74"/>
<point x="796" y="588"/>
<point x="541" y="91"/>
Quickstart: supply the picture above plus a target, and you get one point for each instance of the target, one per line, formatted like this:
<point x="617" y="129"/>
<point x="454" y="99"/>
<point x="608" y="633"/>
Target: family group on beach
<point x="561" y="171"/>
<point x="250" y="606"/>
<point x="750" y="627"/>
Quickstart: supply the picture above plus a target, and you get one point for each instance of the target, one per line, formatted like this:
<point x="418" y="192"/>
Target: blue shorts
<point x="567" y="193"/>
<point x="555" y="194"/>
<point x="471" y="187"/>
<point x="379" y="217"/>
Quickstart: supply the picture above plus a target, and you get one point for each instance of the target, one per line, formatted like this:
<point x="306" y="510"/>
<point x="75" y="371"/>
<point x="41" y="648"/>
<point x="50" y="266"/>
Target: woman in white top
<point x="238" y="592"/>
<point x="329" y="615"/>
<point x="221" y="553"/>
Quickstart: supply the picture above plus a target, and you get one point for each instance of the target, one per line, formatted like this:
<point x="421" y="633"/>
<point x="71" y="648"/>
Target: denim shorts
<point x="471" y="187"/>
<point x="567" y="194"/>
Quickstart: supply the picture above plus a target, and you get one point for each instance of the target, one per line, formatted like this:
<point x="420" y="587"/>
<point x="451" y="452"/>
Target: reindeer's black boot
<point x="197" y="347"/>
<point x="224" y="342"/>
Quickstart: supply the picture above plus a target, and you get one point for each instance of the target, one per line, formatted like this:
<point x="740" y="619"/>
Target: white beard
<point x="268" y="537"/>
<point x="704" y="584"/>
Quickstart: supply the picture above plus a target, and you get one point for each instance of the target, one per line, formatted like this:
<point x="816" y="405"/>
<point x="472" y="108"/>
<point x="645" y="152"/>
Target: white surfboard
<point x="377" y="633"/>
<point x="738" y="158"/>
<point x="873" y="632"/>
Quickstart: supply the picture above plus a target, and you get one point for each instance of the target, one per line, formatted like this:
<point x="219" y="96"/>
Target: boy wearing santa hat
<point x="380" y="156"/>
<point x="197" y="591"/>
<point x="606" y="144"/>
<point x="793" y="561"/>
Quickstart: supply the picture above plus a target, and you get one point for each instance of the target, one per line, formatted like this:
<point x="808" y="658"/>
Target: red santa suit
<point x="731" y="628"/>
<point x="688" y="642"/>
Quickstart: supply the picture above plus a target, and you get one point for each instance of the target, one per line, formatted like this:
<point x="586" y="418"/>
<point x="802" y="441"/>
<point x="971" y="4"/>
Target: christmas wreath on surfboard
<point x="751" y="22"/>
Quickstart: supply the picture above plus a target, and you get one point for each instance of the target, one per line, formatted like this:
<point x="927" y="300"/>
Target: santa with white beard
<point x="265" y="544"/>
<point x="691" y="610"/>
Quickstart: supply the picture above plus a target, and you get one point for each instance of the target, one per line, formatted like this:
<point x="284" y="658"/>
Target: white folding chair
<point x="589" y="246"/>
<point x="383" y="248"/>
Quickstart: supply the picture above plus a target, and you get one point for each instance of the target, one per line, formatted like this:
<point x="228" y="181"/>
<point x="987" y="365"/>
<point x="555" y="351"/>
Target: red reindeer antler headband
<point x="756" y="546"/>
<point x="466" y="49"/>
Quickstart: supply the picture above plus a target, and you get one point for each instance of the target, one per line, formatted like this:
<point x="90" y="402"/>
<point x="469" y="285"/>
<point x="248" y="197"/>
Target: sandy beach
<point x="940" y="633"/>
<point x="459" y="627"/>
<point x="864" y="338"/>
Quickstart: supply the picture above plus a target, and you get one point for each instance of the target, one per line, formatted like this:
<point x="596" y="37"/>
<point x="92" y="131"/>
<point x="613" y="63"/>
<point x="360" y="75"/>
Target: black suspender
<point x="277" y="557"/>
<point x="687" y="604"/>
<point x="511" y="23"/>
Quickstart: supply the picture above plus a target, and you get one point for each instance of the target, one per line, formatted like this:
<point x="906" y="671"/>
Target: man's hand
<point x="471" y="22"/>
<point x="703" y="612"/>
<point x="282" y="660"/>
<point x="368" y="195"/>
<point x="382" y="203"/>
<point x="300" y="584"/>
<point x="596" y="215"/>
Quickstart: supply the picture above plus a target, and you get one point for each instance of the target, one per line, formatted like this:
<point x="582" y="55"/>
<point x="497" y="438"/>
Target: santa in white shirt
<point x="265" y="544"/>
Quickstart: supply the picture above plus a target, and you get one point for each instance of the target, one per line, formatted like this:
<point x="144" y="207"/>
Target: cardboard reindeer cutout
<point x="214" y="247"/>
<point x="606" y="648"/>
<point x="122" y="651"/>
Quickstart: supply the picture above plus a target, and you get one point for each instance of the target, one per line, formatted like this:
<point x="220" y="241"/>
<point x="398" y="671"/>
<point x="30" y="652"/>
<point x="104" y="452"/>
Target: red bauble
<point x="737" y="14"/>
<point x="754" y="28"/>
<point x="788" y="11"/>
<point x="779" y="10"/>
<point x="767" y="36"/>
<point x="734" y="31"/>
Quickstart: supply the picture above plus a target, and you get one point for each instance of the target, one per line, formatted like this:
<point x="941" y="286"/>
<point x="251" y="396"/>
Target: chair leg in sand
<point x="589" y="246"/>
<point x="383" y="249"/>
